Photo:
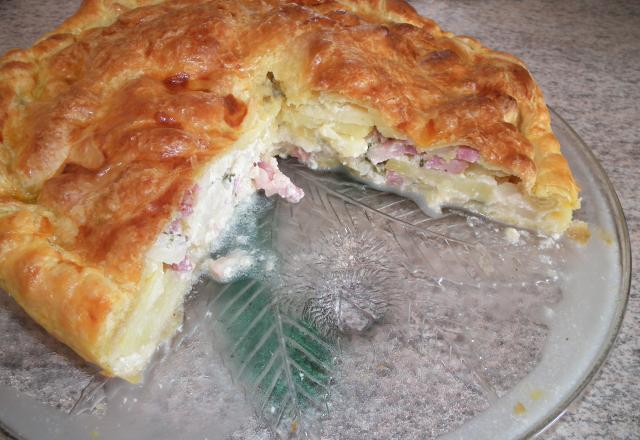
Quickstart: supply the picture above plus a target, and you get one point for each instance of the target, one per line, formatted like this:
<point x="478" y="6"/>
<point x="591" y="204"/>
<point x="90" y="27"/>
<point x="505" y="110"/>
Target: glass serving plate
<point x="362" y="317"/>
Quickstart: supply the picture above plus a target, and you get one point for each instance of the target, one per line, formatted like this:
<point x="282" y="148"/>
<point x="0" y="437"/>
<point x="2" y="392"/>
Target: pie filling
<point x="325" y="134"/>
<point x="333" y="134"/>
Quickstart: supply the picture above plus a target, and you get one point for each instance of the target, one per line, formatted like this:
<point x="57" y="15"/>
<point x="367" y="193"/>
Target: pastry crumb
<point x="519" y="408"/>
<point x="579" y="232"/>
<point x="536" y="394"/>
<point x="547" y="243"/>
<point x="227" y="268"/>
<point x="605" y="236"/>
<point x="512" y="235"/>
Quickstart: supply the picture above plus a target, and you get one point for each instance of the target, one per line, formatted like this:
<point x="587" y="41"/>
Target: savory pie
<point x="129" y="135"/>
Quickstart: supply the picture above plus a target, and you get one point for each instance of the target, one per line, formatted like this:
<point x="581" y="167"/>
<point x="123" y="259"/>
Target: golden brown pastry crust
<point x="105" y="122"/>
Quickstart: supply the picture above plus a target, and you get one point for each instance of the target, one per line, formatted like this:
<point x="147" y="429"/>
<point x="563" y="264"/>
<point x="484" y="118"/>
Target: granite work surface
<point x="586" y="57"/>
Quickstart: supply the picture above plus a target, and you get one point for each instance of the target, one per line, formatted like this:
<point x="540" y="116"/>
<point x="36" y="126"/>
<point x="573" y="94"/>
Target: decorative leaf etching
<point x="347" y="287"/>
<point x="282" y="363"/>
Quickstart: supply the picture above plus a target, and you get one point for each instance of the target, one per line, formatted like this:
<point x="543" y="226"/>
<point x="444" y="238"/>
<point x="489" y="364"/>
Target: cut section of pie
<point x="130" y="134"/>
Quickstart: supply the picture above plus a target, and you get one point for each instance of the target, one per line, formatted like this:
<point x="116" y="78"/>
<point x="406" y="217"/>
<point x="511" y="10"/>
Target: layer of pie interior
<point x="324" y="134"/>
<point x="219" y="190"/>
<point x="336" y="134"/>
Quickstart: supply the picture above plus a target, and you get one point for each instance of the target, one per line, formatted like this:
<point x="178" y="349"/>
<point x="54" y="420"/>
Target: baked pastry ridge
<point x="130" y="133"/>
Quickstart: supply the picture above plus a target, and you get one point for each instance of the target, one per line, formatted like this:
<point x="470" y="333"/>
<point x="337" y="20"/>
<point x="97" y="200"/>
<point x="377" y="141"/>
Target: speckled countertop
<point x="586" y="57"/>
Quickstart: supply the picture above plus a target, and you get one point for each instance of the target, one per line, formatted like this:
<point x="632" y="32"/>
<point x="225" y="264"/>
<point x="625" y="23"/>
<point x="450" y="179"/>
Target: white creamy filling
<point x="218" y="192"/>
<point x="164" y="287"/>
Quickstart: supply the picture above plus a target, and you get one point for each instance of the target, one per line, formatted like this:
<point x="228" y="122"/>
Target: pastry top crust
<point x="105" y="122"/>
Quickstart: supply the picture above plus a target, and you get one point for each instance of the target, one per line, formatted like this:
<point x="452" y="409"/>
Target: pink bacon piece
<point x="301" y="154"/>
<point x="268" y="168"/>
<point x="185" y="209"/>
<point x="390" y="149"/>
<point x="455" y="166"/>
<point x="184" y="266"/>
<point x="435" y="163"/>
<point x="268" y="177"/>
<point x="393" y="178"/>
<point x="175" y="226"/>
<point x="188" y="200"/>
<point x="467" y="154"/>
<point x="464" y="157"/>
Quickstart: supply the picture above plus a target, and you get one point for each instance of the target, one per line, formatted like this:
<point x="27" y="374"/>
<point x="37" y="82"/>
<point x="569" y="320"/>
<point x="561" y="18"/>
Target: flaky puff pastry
<point x="106" y="122"/>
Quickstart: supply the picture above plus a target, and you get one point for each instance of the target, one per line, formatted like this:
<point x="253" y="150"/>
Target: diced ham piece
<point x="393" y="178"/>
<point x="268" y="177"/>
<point x="175" y="226"/>
<point x="455" y="166"/>
<point x="184" y="266"/>
<point x="269" y="168"/>
<point x="467" y="154"/>
<point x="188" y="200"/>
<point x="435" y="163"/>
<point x="301" y="154"/>
<point x="389" y="149"/>
<point x="185" y="209"/>
<point x="236" y="185"/>
<point x="225" y="269"/>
